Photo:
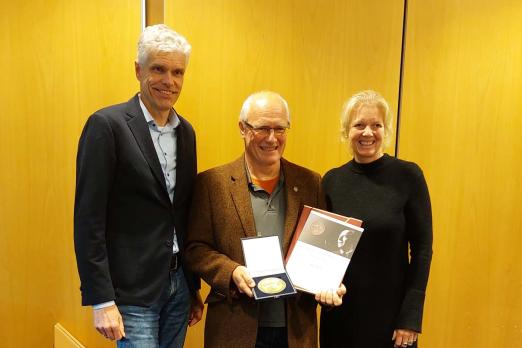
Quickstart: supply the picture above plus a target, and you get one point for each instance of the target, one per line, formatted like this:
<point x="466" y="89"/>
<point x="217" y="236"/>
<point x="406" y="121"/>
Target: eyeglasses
<point x="265" y="131"/>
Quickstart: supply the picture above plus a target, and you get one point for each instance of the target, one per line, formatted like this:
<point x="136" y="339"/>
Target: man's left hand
<point x="196" y="309"/>
<point x="331" y="297"/>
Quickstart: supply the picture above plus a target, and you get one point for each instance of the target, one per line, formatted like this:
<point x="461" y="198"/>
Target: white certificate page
<point x="263" y="256"/>
<point x="322" y="253"/>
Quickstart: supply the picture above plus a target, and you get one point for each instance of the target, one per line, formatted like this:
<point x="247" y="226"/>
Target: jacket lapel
<point x="140" y="130"/>
<point x="241" y="197"/>
<point x="293" y="204"/>
<point x="181" y="170"/>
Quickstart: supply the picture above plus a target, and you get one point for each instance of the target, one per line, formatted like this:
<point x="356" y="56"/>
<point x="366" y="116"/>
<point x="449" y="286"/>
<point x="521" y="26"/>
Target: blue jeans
<point x="164" y="324"/>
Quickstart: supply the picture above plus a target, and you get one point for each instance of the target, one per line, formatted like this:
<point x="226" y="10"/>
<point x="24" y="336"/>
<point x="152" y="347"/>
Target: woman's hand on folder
<point x="331" y="297"/>
<point x="243" y="280"/>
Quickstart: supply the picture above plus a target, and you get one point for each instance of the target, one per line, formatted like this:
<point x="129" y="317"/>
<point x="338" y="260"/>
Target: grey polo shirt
<point x="269" y="217"/>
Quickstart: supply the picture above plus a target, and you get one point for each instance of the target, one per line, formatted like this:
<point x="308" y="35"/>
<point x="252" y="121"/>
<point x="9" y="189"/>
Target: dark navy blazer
<point x="123" y="216"/>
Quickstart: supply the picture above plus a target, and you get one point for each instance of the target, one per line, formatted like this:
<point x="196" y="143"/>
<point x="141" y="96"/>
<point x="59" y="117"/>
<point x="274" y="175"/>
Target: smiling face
<point x="264" y="151"/>
<point x="366" y="134"/>
<point x="161" y="80"/>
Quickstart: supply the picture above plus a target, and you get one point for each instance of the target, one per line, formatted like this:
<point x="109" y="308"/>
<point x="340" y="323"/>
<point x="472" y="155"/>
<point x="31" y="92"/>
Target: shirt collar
<point x="256" y="188"/>
<point x="173" y="120"/>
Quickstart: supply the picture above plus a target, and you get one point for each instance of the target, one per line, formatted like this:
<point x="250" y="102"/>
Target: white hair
<point x="243" y="115"/>
<point x="160" y="38"/>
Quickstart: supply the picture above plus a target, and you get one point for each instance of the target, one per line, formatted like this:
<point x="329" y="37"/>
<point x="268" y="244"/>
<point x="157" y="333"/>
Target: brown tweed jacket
<point x="222" y="214"/>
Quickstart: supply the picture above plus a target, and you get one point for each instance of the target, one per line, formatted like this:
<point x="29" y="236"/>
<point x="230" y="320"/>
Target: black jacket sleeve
<point x="95" y="168"/>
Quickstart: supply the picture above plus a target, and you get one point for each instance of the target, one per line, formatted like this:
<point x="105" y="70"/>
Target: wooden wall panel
<point x="61" y="61"/>
<point x="461" y="122"/>
<point x="63" y="339"/>
<point x="316" y="54"/>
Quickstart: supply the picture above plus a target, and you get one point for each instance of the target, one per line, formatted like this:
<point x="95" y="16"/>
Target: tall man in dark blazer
<point x="259" y="194"/>
<point x="136" y="166"/>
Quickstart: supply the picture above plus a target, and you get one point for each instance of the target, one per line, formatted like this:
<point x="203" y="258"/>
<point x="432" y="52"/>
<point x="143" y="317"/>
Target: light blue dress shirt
<point x="165" y="143"/>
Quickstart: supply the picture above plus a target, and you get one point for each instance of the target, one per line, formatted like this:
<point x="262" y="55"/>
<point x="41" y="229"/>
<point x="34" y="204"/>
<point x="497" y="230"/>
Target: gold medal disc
<point x="271" y="285"/>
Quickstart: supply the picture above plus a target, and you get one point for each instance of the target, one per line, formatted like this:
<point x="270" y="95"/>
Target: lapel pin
<point x="296" y="189"/>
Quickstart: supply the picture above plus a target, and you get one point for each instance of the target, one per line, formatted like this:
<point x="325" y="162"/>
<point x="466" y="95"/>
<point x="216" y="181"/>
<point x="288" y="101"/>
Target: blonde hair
<point x="352" y="106"/>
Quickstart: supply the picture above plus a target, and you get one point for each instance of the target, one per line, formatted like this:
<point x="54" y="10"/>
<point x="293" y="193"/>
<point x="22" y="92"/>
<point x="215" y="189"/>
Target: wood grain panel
<point x="316" y="54"/>
<point x="461" y="122"/>
<point x="62" y="60"/>
<point x="63" y="339"/>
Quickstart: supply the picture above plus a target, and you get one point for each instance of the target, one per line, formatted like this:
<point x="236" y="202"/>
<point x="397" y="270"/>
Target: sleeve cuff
<point x="103" y="305"/>
<point x="410" y="316"/>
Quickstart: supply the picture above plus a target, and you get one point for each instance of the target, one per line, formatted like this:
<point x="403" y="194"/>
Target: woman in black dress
<point x="385" y="285"/>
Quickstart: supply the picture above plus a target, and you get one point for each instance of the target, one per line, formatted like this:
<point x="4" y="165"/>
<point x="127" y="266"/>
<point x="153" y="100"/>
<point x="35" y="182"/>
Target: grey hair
<point x="160" y="38"/>
<point x="243" y="115"/>
<point x="352" y="106"/>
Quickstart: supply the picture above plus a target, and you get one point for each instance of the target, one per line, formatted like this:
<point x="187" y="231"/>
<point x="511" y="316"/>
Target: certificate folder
<point x="264" y="261"/>
<point x="321" y="249"/>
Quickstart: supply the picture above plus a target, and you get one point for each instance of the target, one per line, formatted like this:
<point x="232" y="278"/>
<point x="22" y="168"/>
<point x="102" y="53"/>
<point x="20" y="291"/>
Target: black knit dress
<point x="385" y="288"/>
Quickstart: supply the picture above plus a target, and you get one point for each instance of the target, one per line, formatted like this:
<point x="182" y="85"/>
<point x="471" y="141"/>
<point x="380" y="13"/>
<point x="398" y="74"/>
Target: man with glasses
<point x="259" y="194"/>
